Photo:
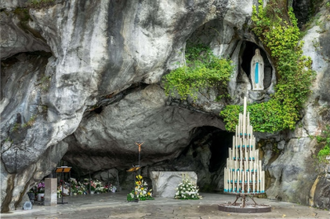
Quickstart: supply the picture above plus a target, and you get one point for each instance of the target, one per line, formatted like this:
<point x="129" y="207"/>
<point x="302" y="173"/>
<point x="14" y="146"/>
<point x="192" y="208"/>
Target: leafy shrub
<point x="325" y="151"/>
<point x="203" y="70"/>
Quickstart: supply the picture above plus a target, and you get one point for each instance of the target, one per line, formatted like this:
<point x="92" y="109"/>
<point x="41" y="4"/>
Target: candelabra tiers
<point x="243" y="174"/>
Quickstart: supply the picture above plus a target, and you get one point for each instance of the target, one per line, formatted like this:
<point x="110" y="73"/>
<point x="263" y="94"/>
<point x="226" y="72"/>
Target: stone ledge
<point x="164" y="183"/>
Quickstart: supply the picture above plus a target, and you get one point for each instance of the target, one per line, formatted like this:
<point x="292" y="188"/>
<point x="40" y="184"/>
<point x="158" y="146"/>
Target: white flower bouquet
<point x="186" y="189"/>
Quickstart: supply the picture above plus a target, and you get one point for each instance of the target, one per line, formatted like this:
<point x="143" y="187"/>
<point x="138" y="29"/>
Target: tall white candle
<point x="228" y="179"/>
<point x="248" y="182"/>
<point x="243" y="181"/>
<point x="234" y="184"/>
<point x="253" y="182"/>
<point x="225" y="180"/>
<point x="238" y="179"/>
<point x="250" y="148"/>
<point x="262" y="181"/>
<point x="230" y="155"/>
<point x="246" y="153"/>
<point x="260" y="167"/>
<point x="243" y="125"/>
<point x="239" y="123"/>
<point x="258" y="178"/>
<point x="251" y="143"/>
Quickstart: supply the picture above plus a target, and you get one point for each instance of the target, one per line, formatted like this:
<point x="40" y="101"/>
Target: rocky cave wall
<point x="81" y="81"/>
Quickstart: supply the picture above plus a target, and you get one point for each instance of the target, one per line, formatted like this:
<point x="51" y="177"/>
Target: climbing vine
<point x="203" y="70"/>
<point x="323" y="138"/>
<point x="277" y="29"/>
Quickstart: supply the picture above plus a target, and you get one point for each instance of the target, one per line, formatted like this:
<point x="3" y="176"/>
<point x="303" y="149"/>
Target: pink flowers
<point x="41" y="185"/>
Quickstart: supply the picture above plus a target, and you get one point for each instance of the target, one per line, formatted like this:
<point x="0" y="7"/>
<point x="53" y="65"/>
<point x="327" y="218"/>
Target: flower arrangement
<point x="140" y="191"/>
<point x="186" y="189"/>
<point x="41" y="187"/>
<point x="80" y="188"/>
<point x="73" y="181"/>
<point x="110" y="188"/>
<point x="59" y="191"/>
<point x="93" y="186"/>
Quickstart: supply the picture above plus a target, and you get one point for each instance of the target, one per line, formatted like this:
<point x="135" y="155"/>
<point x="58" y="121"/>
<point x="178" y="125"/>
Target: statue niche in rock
<point x="257" y="71"/>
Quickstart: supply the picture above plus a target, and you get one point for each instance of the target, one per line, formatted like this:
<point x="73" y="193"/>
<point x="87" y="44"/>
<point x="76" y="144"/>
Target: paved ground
<point x="114" y="205"/>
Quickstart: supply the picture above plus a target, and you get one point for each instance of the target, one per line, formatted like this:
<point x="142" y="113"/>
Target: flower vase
<point x="40" y="197"/>
<point x="74" y="193"/>
<point x="92" y="192"/>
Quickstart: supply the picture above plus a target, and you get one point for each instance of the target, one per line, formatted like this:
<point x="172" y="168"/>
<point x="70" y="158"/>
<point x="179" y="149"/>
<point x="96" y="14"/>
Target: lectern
<point x="62" y="170"/>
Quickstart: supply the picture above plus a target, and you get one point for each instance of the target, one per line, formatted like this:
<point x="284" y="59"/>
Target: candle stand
<point x="243" y="175"/>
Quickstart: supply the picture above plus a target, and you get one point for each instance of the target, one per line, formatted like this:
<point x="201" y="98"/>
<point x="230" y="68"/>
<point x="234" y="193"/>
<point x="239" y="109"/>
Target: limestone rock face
<point x="98" y="49"/>
<point x="89" y="72"/>
<point x="17" y="35"/>
<point x="107" y="139"/>
<point x="292" y="170"/>
<point x="4" y="4"/>
<point x="320" y="193"/>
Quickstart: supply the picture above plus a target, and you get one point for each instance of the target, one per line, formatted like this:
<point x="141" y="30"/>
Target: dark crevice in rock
<point x="206" y="154"/>
<point x="305" y="10"/>
<point x="98" y="110"/>
<point x="9" y="192"/>
<point x="218" y="142"/>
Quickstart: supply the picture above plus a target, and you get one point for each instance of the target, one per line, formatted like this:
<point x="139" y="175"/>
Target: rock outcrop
<point x="81" y="80"/>
<point x="290" y="158"/>
<point x="107" y="139"/>
<point x="97" y="49"/>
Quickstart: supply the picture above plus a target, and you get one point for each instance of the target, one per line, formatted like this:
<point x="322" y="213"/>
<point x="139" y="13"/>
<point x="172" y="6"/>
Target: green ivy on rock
<point x="278" y="31"/>
<point x="325" y="151"/>
<point x="203" y="70"/>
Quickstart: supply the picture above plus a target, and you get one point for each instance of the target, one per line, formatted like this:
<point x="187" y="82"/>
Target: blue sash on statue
<point x="256" y="74"/>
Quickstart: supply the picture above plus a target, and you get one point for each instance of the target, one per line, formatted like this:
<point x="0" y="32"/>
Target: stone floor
<point x="114" y="205"/>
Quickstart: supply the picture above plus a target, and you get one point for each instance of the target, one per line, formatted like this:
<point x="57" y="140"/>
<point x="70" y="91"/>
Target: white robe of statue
<point x="257" y="71"/>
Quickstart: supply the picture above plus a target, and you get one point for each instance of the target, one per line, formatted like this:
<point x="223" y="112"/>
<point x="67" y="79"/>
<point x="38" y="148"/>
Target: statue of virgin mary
<point x="257" y="71"/>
